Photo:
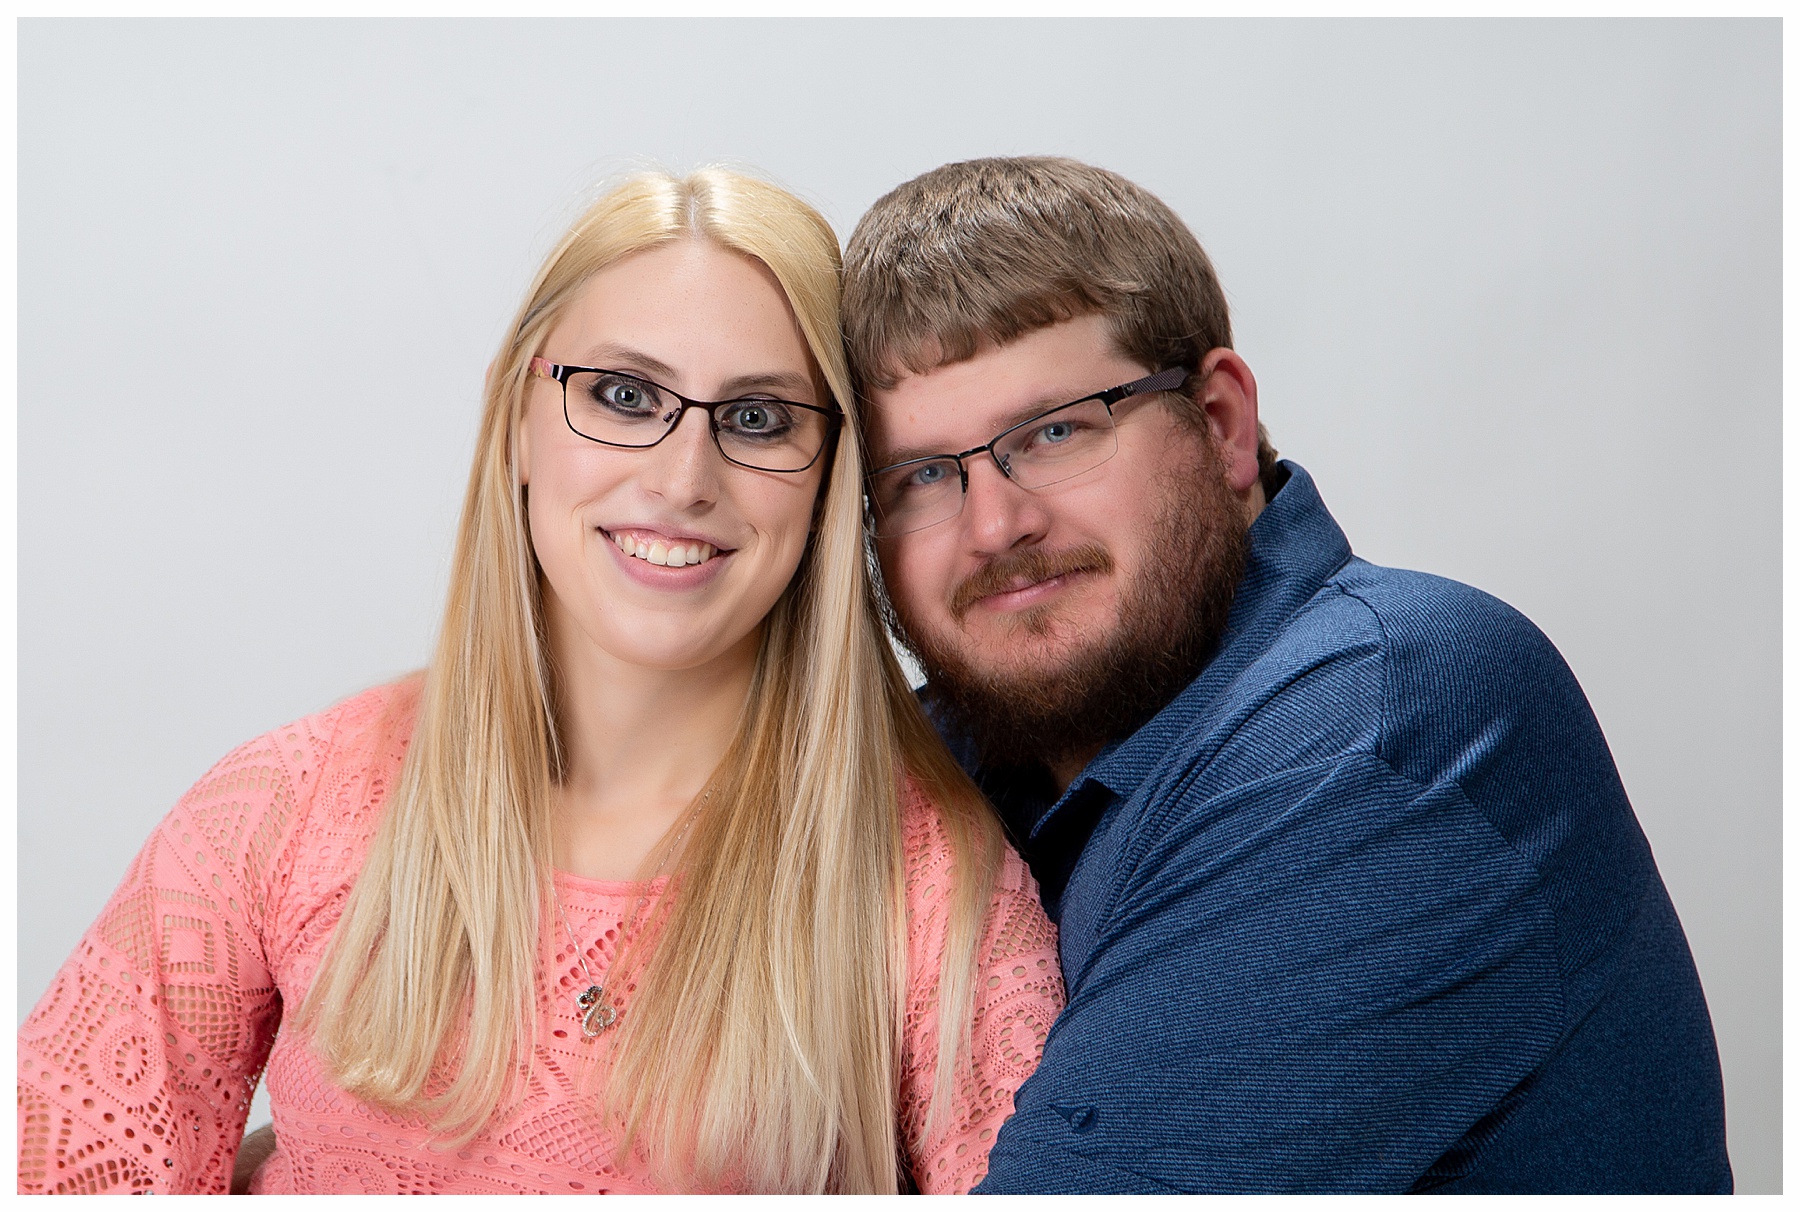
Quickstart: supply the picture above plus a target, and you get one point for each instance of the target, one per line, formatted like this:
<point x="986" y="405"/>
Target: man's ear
<point x="1227" y="395"/>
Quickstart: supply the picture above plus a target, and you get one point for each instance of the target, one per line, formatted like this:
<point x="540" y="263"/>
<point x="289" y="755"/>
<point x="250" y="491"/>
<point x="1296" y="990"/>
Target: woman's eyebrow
<point x="621" y="357"/>
<point x="797" y="387"/>
<point x="791" y="384"/>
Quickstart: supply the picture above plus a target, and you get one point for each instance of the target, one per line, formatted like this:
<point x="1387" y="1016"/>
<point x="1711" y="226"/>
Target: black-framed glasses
<point x="1055" y="445"/>
<point x="619" y="409"/>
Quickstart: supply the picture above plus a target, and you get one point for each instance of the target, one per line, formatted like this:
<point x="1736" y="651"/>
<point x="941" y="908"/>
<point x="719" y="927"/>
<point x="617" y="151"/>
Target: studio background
<point x="1512" y="292"/>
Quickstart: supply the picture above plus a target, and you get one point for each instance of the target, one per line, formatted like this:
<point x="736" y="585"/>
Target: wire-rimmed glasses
<point x="619" y="409"/>
<point x="1051" y="447"/>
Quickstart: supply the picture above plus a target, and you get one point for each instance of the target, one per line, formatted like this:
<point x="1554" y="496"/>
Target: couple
<point x="660" y="878"/>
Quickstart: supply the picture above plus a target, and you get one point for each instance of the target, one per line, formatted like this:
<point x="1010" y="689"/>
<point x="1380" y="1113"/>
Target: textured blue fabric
<point x="1364" y="909"/>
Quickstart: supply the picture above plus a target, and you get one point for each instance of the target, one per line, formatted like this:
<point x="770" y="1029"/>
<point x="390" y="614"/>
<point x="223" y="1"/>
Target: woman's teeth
<point x="661" y="552"/>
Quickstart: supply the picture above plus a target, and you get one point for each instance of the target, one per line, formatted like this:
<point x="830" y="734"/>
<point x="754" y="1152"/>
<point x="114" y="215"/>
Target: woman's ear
<point x="521" y="436"/>
<point x="521" y="432"/>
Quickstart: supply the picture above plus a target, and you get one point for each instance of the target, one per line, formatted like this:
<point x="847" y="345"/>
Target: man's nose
<point x="997" y="514"/>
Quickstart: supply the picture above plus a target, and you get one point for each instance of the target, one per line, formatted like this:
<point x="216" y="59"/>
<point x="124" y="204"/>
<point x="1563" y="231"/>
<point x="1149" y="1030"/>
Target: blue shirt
<point x="1364" y="909"/>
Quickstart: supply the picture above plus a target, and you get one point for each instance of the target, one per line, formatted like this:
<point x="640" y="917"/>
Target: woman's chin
<point x="687" y="652"/>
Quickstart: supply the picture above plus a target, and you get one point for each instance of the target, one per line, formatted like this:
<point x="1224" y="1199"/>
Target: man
<point x="1350" y="893"/>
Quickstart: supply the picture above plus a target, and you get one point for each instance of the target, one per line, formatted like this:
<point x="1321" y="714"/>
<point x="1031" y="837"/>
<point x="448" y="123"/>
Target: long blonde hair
<point x="761" y="1045"/>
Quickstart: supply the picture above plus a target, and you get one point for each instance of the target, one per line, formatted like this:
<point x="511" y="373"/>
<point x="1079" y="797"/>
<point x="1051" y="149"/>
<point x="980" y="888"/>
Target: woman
<point x="656" y="879"/>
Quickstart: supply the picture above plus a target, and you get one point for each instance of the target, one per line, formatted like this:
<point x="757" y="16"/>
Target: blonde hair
<point x="761" y="1045"/>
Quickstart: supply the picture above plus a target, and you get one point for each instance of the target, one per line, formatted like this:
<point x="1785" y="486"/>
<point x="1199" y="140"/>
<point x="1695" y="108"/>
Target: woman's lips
<point x="664" y="561"/>
<point x="663" y="551"/>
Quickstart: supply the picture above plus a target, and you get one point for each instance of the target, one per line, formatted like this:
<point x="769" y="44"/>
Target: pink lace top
<point x="137" y="1067"/>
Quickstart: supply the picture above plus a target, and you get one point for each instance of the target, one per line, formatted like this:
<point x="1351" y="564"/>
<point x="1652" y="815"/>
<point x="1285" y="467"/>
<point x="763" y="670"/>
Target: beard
<point x="1169" y="625"/>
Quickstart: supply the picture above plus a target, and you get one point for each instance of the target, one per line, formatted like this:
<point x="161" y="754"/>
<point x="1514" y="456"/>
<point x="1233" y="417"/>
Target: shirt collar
<point x="1295" y="547"/>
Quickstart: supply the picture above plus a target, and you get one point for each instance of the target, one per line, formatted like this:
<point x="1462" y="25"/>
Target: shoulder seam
<point x="1383" y="729"/>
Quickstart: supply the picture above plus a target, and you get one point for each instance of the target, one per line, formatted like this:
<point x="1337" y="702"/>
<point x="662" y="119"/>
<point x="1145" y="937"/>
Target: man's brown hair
<point x="985" y="251"/>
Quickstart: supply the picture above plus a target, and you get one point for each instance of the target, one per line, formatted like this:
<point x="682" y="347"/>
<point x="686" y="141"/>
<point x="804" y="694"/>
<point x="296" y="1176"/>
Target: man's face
<point x="1052" y="615"/>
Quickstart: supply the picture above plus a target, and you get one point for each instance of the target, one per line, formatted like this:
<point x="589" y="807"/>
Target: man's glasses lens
<point x="912" y="496"/>
<point x="1055" y="445"/>
<point x="772" y="435"/>
<point x="1048" y="449"/>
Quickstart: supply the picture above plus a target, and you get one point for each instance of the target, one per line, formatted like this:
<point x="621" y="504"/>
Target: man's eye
<point x="922" y="478"/>
<point x="1057" y="431"/>
<point x="903" y="487"/>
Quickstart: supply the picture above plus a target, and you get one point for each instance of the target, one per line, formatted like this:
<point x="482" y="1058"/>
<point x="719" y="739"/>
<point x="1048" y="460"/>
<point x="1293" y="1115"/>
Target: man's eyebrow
<point x="1019" y="415"/>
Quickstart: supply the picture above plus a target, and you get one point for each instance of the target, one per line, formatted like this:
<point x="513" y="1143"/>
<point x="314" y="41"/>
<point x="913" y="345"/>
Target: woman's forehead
<point x="691" y="315"/>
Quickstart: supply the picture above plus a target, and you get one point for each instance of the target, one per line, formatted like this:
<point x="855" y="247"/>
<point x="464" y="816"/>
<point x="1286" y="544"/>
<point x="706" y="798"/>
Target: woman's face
<point x="711" y="325"/>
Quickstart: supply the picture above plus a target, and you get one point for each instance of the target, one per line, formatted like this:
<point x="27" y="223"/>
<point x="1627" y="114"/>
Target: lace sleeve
<point x="1018" y="994"/>
<point x="137" y="1067"/>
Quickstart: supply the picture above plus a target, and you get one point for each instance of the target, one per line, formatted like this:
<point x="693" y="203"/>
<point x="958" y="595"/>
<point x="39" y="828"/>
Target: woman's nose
<point x="687" y="461"/>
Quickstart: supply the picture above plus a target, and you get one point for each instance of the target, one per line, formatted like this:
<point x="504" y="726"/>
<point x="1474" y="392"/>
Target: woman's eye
<point x="756" y="418"/>
<point x="1057" y="431"/>
<point x="623" y="395"/>
<point x="927" y="475"/>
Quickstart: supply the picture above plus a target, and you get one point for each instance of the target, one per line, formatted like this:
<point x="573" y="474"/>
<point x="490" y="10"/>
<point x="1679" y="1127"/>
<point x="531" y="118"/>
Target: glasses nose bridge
<point x="678" y="415"/>
<point x="1002" y="462"/>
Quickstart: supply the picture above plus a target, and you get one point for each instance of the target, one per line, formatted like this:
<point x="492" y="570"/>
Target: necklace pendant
<point x="597" y="1012"/>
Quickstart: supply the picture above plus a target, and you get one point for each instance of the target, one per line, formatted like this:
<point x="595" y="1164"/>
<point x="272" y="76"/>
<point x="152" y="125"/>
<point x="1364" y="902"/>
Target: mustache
<point x="1030" y="565"/>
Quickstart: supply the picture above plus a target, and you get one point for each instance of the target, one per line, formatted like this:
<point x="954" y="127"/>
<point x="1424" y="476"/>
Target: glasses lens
<point x="912" y="496"/>
<point x="618" y="409"/>
<point x="1061" y="443"/>
<point x="771" y="435"/>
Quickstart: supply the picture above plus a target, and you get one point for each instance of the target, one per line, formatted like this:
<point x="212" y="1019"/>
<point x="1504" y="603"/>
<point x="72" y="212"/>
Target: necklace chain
<point x="596" y="1011"/>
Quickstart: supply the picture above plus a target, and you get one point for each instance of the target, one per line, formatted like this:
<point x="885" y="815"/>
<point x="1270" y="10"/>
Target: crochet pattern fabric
<point x="137" y="1068"/>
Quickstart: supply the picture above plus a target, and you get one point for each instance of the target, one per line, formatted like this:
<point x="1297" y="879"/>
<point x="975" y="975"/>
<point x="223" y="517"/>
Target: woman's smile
<point x="660" y="560"/>
<point x="655" y="547"/>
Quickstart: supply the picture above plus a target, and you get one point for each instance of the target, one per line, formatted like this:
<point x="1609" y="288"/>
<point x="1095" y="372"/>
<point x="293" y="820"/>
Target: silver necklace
<point x="592" y="1006"/>
<point x="597" y="1014"/>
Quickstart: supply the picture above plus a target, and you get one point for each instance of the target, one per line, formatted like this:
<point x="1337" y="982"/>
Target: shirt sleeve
<point x="1018" y="994"/>
<point x="137" y="1068"/>
<point x="1318" y="981"/>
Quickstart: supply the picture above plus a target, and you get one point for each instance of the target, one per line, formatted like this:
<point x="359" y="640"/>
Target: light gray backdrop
<point x="1512" y="292"/>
